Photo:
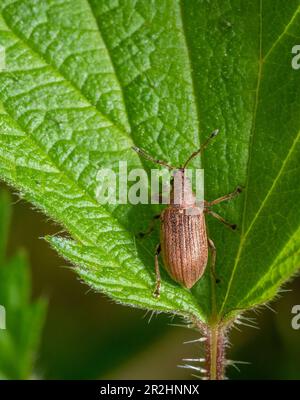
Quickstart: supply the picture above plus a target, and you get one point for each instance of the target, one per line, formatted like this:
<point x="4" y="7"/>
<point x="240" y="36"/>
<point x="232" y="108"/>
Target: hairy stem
<point x="215" y="345"/>
<point x="215" y="353"/>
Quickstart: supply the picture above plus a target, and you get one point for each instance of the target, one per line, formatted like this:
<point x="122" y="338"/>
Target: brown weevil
<point x="183" y="237"/>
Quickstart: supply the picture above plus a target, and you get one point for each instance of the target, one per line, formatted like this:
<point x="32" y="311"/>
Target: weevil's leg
<point x="156" y="292"/>
<point x="150" y="227"/>
<point x="213" y="252"/>
<point x="221" y="219"/>
<point x="227" y="197"/>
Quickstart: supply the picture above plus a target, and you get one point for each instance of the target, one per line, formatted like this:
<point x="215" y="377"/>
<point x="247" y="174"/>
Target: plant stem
<point x="215" y="353"/>
<point x="215" y="345"/>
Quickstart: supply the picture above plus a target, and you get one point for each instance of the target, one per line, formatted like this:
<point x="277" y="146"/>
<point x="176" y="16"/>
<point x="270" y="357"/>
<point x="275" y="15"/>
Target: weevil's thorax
<point x="182" y="195"/>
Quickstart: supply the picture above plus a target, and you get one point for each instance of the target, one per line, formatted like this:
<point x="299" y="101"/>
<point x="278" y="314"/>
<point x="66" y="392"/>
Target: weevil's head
<point x="182" y="195"/>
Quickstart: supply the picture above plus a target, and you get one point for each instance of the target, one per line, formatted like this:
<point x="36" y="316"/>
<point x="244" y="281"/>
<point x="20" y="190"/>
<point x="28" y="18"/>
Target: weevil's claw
<point x="218" y="280"/>
<point x="214" y="133"/>
<point x="239" y="189"/>
<point x="233" y="227"/>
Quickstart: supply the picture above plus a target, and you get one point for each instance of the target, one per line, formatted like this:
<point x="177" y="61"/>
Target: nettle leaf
<point x="23" y="319"/>
<point x="85" y="80"/>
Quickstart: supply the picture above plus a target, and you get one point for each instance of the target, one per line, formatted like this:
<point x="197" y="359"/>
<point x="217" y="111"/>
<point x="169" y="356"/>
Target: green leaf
<point x="23" y="318"/>
<point x="85" y="80"/>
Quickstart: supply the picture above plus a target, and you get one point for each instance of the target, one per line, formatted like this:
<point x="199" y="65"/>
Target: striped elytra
<point x="184" y="246"/>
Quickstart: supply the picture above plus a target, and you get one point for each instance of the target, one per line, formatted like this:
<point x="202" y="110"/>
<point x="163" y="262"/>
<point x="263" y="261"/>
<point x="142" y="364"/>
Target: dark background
<point x="87" y="336"/>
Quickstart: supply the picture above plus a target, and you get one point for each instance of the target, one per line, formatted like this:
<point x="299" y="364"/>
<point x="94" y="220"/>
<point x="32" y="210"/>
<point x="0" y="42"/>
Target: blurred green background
<point x="87" y="336"/>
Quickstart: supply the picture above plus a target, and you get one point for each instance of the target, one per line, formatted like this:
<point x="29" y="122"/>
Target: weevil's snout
<point x="182" y="195"/>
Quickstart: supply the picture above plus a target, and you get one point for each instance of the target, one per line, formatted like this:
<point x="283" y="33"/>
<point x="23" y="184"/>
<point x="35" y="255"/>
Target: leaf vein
<point x="251" y="140"/>
<point x="59" y="72"/>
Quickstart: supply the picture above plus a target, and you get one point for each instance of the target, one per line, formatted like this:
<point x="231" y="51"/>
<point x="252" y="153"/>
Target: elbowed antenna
<point x="202" y="148"/>
<point x="150" y="158"/>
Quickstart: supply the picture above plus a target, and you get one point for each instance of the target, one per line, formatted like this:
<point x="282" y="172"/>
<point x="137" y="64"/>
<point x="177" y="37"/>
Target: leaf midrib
<point x="191" y="70"/>
<point x="111" y="62"/>
<point x="251" y="139"/>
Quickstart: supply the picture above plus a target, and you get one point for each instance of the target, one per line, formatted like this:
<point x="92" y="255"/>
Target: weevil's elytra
<point x="183" y="238"/>
<point x="184" y="245"/>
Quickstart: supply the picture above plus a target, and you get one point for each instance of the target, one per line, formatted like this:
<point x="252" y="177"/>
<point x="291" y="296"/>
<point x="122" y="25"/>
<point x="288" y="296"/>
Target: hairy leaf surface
<point x="86" y="80"/>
